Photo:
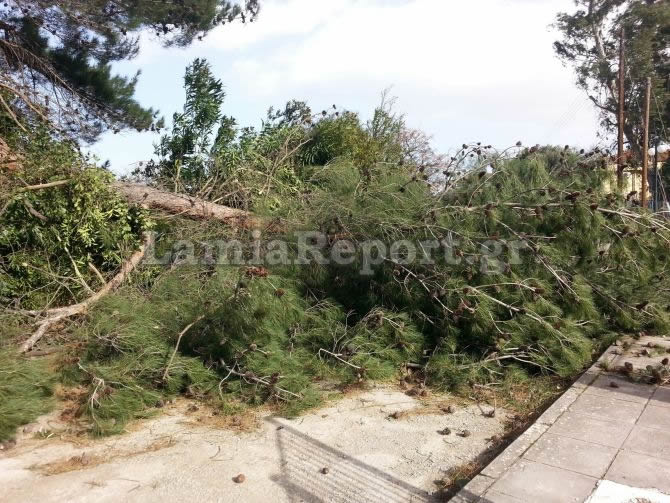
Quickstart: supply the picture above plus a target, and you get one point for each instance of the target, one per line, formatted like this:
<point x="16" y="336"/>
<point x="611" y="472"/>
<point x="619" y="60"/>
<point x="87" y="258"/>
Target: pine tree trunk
<point x="181" y="204"/>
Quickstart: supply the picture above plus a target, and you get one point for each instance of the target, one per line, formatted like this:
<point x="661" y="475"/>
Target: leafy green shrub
<point x="333" y="137"/>
<point x="268" y="169"/>
<point x="50" y="238"/>
<point x="184" y="152"/>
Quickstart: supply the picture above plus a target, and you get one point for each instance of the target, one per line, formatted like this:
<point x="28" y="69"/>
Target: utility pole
<point x="620" y="153"/>
<point x="656" y="177"/>
<point x="645" y="146"/>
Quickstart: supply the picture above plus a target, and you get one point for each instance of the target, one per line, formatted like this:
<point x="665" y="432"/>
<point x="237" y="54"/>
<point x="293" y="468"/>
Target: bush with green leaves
<point x="53" y="239"/>
<point x="204" y="154"/>
<point x="184" y="153"/>
<point x="269" y="168"/>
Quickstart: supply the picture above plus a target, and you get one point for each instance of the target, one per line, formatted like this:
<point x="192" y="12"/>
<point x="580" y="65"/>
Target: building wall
<point x="633" y="177"/>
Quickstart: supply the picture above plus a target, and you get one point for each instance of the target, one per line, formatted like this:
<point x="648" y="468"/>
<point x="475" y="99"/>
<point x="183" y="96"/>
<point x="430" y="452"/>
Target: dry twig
<point x="176" y="347"/>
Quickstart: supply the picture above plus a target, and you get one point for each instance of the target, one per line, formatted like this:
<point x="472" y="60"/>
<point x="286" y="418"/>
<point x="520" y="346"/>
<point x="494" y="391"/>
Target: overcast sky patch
<point x="463" y="71"/>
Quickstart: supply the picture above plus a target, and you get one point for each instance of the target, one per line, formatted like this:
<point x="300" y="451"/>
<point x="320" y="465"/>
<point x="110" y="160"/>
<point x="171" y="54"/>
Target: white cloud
<point x="279" y="18"/>
<point x="452" y="45"/>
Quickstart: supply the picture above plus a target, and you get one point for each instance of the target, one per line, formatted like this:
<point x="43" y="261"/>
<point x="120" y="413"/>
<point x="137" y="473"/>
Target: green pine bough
<point x="591" y="266"/>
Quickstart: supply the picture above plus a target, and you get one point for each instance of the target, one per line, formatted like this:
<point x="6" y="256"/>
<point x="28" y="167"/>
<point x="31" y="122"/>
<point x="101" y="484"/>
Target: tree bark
<point x="633" y="141"/>
<point x="181" y="204"/>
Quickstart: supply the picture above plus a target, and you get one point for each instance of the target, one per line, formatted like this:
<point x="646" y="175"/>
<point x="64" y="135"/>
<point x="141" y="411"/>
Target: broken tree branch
<point x="53" y="316"/>
<point x="12" y="114"/>
<point x="31" y="209"/>
<point x="340" y="359"/>
<point x="176" y="347"/>
<point x="31" y="188"/>
<point x="95" y="271"/>
<point x="251" y="377"/>
<point x="44" y="185"/>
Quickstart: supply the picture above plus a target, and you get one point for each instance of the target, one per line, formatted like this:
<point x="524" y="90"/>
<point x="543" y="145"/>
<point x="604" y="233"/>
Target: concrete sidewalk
<point x="607" y="439"/>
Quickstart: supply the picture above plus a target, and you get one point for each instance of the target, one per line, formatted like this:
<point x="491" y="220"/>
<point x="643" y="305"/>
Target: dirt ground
<point x="378" y="445"/>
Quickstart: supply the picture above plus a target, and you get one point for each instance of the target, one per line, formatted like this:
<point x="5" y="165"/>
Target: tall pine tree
<point x="55" y="56"/>
<point x="590" y="44"/>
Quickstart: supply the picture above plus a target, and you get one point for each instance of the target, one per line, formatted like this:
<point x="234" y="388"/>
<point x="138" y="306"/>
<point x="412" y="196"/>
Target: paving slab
<point x="605" y="440"/>
<point x="576" y="455"/>
<point x="639" y="470"/>
<point x="592" y="429"/>
<point x="537" y="482"/>
<point x="661" y="398"/>
<point x="589" y="376"/>
<point x="621" y="389"/>
<point x="515" y="450"/>
<point x="561" y="468"/>
<point x="650" y="441"/>
<point x="550" y="415"/>
<point x="655" y="417"/>
<point x="496" y="497"/>
<point x="472" y="492"/>
<point x="605" y="407"/>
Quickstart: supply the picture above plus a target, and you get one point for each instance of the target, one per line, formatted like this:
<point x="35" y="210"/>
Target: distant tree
<point x="55" y="56"/>
<point x="185" y="152"/>
<point x="295" y="112"/>
<point x="590" y="44"/>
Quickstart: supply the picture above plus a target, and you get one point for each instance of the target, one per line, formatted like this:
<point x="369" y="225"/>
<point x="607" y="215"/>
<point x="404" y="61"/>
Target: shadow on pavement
<point x="304" y="461"/>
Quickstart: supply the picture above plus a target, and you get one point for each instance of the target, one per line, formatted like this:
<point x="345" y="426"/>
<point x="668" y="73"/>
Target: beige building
<point x="633" y="175"/>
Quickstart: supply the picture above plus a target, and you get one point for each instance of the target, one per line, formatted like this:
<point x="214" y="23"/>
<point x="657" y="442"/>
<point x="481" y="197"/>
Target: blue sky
<point x="463" y="70"/>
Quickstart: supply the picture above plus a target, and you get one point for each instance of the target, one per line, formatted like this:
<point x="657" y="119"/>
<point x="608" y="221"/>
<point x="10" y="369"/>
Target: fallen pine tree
<point x="589" y="267"/>
<point x="541" y="268"/>
<point x="543" y="262"/>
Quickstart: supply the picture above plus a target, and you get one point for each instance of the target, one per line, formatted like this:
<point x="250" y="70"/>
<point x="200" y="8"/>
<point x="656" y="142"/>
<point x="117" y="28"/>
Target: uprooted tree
<point x="523" y="265"/>
<point x="535" y="264"/>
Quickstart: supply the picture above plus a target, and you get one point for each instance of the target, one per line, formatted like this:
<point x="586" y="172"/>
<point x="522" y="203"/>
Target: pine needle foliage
<point x="25" y="391"/>
<point x="255" y="340"/>
<point x="577" y="265"/>
<point x="588" y="262"/>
